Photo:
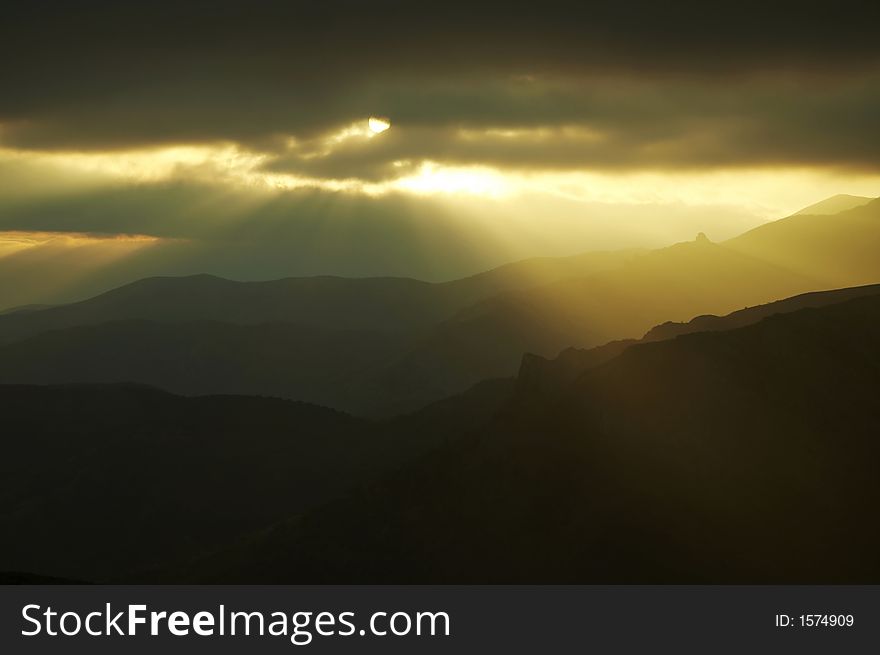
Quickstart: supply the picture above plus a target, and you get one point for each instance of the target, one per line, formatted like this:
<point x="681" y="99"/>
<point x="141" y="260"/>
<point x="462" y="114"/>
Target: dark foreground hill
<point x="316" y="365"/>
<point x="101" y="482"/>
<point x="749" y="315"/>
<point x="747" y="455"/>
<point x="734" y="456"/>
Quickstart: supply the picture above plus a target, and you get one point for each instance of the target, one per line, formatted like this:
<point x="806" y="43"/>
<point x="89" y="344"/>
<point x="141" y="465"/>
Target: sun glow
<point x="378" y="125"/>
<point x="432" y="179"/>
<point x="763" y="192"/>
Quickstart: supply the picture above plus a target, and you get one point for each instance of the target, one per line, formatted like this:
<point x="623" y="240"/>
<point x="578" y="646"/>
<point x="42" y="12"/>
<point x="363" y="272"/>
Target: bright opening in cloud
<point x="378" y="125"/>
<point x="433" y="179"/>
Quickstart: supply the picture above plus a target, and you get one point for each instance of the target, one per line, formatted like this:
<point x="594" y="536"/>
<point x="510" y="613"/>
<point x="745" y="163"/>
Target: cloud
<point x="603" y="124"/>
<point x="664" y="84"/>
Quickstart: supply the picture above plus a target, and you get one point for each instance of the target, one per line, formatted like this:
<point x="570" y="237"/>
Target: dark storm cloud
<point x="664" y="83"/>
<point x="674" y="125"/>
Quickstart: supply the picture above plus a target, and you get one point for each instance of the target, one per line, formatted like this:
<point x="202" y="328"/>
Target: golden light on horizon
<point x="767" y="193"/>
<point x="432" y="178"/>
<point x="378" y="124"/>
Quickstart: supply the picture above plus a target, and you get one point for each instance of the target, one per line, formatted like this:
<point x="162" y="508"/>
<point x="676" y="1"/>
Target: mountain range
<point x="740" y="456"/>
<point x="701" y="457"/>
<point x="138" y="478"/>
<point x="699" y="413"/>
<point x="386" y="346"/>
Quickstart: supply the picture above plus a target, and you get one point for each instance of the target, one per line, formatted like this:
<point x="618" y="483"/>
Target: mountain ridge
<point x="412" y="343"/>
<point x="835" y="204"/>
<point x="699" y="459"/>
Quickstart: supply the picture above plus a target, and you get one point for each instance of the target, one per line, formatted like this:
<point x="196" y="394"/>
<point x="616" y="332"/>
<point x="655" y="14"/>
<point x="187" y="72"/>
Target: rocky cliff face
<point x="542" y="376"/>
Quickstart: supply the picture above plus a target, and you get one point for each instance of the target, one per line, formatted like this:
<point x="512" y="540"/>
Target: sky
<point x="263" y="139"/>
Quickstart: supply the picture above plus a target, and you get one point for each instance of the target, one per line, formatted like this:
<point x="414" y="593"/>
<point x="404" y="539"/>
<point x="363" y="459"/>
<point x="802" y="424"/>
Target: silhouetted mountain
<point x="388" y="304"/>
<point x="749" y="315"/>
<point x="318" y="365"/>
<point x="537" y="271"/>
<point x="392" y="304"/>
<point x="448" y="417"/>
<point x="355" y="368"/>
<point x="130" y="478"/>
<point x="488" y="338"/>
<point x="746" y="455"/>
<point x="798" y="254"/>
<point x="382" y="347"/>
<point x="542" y="376"/>
<point x="343" y="343"/>
<point x="376" y="371"/>
<point x="99" y="480"/>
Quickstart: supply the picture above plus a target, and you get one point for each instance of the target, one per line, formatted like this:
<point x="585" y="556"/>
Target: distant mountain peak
<point x="835" y="204"/>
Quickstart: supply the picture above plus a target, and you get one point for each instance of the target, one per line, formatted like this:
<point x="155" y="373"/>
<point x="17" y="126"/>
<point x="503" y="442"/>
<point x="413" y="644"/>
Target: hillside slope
<point x="98" y="481"/>
<point x="839" y="250"/>
<point x="317" y="365"/>
<point x="749" y="315"/>
<point x="539" y="375"/>
<point x="489" y="338"/>
<point x="744" y="456"/>
<point x="835" y="204"/>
